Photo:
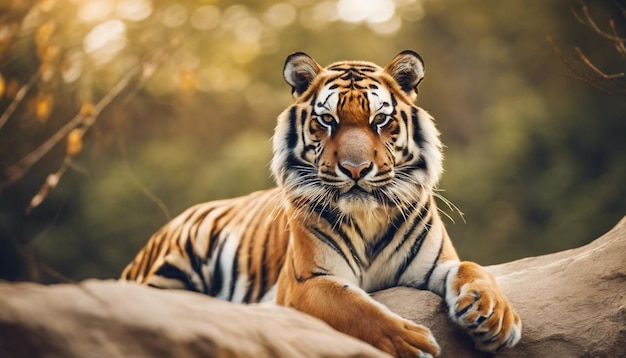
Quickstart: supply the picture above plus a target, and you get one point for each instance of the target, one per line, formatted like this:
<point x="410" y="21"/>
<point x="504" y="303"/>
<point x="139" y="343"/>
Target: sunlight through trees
<point x="116" y="114"/>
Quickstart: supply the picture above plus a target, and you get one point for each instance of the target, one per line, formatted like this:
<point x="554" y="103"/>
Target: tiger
<point x="356" y="164"/>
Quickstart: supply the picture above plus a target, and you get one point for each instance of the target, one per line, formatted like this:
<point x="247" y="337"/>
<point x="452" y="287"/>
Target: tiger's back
<point x="231" y="249"/>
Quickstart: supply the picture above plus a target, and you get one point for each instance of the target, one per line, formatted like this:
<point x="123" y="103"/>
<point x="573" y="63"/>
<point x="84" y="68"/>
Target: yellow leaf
<point x="186" y="79"/>
<point x="48" y="53"/>
<point x="43" y="105"/>
<point x="75" y="141"/>
<point x="86" y="109"/>
<point x="44" y="32"/>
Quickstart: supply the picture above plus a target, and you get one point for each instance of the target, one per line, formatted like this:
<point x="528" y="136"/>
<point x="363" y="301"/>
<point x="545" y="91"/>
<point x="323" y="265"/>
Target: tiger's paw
<point x="408" y="339"/>
<point x="476" y="302"/>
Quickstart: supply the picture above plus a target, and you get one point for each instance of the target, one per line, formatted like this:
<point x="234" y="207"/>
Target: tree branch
<point x="609" y="83"/>
<point x="19" y="96"/>
<point x="590" y="24"/>
<point x="17" y="171"/>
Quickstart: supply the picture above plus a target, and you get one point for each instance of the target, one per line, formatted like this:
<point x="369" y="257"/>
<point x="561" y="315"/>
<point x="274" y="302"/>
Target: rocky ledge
<point x="572" y="304"/>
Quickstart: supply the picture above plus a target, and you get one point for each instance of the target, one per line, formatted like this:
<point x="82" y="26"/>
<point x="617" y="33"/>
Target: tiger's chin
<point x="357" y="202"/>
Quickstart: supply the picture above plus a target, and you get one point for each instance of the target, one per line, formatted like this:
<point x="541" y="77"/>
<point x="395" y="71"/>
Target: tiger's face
<point x="353" y="141"/>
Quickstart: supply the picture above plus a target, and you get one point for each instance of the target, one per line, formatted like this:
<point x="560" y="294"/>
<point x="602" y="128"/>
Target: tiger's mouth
<point x="356" y="192"/>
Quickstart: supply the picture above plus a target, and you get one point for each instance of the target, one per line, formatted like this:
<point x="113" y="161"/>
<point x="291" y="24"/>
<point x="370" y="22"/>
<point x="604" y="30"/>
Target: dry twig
<point x="611" y="83"/>
<point x="19" y="96"/>
<point x="84" y="120"/>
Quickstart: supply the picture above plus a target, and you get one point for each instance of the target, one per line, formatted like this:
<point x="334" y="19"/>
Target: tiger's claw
<point x="477" y="304"/>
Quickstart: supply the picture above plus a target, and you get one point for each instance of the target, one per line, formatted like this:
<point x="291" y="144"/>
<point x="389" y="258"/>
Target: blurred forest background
<point x="118" y="114"/>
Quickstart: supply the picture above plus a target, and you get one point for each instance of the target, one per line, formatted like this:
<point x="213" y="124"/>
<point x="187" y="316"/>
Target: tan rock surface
<point x="572" y="303"/>
<point x="111" y="319"/>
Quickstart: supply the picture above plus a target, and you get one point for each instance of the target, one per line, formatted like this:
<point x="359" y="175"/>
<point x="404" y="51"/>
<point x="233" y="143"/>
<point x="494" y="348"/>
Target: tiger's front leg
<point x="476" y="302"/>
<point x="350" y="310"/>
<point x="311" y="287"/>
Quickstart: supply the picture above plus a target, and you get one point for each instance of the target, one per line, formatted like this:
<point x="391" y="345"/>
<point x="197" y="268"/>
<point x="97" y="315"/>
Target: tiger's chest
<point x="376" y="254"/>
<point x="382" y="251"/>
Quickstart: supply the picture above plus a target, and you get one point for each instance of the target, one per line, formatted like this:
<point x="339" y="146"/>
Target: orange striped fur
<point x="356" y="164"/>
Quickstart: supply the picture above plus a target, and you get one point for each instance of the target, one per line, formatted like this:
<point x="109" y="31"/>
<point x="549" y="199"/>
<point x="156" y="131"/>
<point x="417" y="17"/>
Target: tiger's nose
<point x="355" y="171"/>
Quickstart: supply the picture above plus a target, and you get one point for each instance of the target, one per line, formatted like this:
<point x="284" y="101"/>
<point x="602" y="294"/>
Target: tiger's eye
<point x="327" y="119"/>
<point x="381" y="120"/>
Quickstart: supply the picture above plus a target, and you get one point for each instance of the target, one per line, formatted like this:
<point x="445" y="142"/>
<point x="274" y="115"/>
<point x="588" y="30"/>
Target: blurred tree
<point x="156" y="105"/>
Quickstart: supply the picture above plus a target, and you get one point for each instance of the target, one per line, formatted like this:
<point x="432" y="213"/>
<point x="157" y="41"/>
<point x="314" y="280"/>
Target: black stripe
<point x="213" y="240"/>
<point x="379" y="245"/>
<point x="215" y="236"/>
<point x="415" y="248"/>
<point x="365" y="103"/>
<point x="170" y="271"/>
<point x="323" y="104"/>
<point x="312" y="95"/>
<point x="424" y="285"/>
<point x="326" y="214"/>
<point x="342" y="100"/>
<point x="381" y="177"/>
<point x="421" y="163"/>
<point x="350" y="245"/>
<point x="414" y="224"/>
<point x="292" y="134"/>
<point x="417" y="133"/>
<point x="445" y="284"/>
<point x="249" y="288"/>
<point x="292" y="161"/>
<point x="264" y="274"/>
<point x="405" y="119"/>
<point x="357" y="229"/>
<point x="154" y="248"/>
<point x="420" y="166"/>
<point x="331" y="219"/>
<point x="252" y="278"/>
<point x="217" y="281"/>
<point x="346" y="67"/>
<point x="303" y="117"/>
<point x="234" y="272"/>
<point x="328" y="240"/>
<point x="196" y="263"/>
<point x="331" y="79"/>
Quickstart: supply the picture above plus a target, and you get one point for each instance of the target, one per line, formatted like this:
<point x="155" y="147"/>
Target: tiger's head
<point x="353" y="141"/>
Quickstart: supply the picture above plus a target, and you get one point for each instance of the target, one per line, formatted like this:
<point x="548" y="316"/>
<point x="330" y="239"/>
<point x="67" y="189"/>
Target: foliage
<point x="158" y="105"/>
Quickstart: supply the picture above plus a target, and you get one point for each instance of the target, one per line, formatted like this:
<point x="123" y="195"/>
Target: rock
<point x="572" y="304"/>
<point x="112" y="319"/>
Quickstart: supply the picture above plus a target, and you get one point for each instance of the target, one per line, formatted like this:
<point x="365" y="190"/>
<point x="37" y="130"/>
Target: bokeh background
<point x="129" y="111"/>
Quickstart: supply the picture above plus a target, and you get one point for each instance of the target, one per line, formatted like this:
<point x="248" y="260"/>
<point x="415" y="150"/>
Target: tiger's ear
<point x="407" y="68"/>
<point x="299" y="71"/>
